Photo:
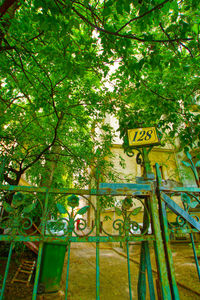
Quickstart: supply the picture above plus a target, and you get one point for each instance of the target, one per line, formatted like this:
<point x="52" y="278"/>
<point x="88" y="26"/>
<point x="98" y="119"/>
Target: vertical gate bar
<point x="6" y="270"/>
<point x="142" y="270"/>
<point x="166" y="239"/>
<point x="97" y="234"/>
<point x="129" y="270"/>
<point x="142" y="277"/>
<point x="97" y="272"/>
<point x="174" y="288"/>
<point x="160" y="256"/>
<point x="37" y="272"/>
<point x="149" y="271"/>
<point x="195" y="255"/>
<point x="97" y="252"/>
<point x="71" y="228"/>
<point x="67" y="276"/>
<point x="40" y="250"/>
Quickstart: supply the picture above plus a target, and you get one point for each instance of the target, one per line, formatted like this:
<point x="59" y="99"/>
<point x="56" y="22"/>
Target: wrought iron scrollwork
<point x="126" y="225"/>
<point x="73" y="222"/>
<point x="130" y="152"/>
<point x="19" y="218"/>
<point x="189" y="201"/>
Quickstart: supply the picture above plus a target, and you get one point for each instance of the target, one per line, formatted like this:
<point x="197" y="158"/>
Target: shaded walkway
<point x="113" y="275"/>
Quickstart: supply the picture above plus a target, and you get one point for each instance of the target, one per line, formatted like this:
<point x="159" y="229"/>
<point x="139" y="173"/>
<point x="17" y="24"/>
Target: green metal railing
<point x="153" y="199"/>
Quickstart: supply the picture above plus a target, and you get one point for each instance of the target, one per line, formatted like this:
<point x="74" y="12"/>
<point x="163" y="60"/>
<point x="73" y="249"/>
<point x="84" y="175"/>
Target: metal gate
<point x="153" y="198"/>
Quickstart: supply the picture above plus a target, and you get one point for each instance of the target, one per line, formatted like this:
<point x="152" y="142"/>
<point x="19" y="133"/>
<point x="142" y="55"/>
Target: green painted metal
<point x="170" y="265"/>
<point x="142" y="275"/>
<point x="160" y="256"/>
<point x="67" y="276"/>
<point x="146" y="192"/>
<point x="97" y="272"/>
<point x="149" y="271"/>
<point x="143" y="258"/>
<point x="6" y="270"/>
<point x="64" y="240"/>
<point x="142" y="270"/>
<point x="193" y="167"/>
<point x="195" y="255"/>
<point x="166" y="240"/>
<point x="97" y="246"/>
<point x="98" y="224"/>
<point x="179" y="211"/>
<point x="180" y="189"/>
<point x="52" y="266"/>
<point x="129" y="271"/>
<point x="40" y="250"/>
<point x="37" y="273"/>
<point x="134" y="189"/>
<point x="147" y="166"/>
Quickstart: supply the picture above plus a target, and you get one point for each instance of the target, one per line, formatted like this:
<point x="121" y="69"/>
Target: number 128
<point x="140" y="136"/>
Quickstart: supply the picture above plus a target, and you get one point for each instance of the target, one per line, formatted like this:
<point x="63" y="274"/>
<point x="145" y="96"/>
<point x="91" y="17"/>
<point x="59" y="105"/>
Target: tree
<point x="55" y="56"/>
<point x="50" y="97"/>
<point x="157" y="43"/>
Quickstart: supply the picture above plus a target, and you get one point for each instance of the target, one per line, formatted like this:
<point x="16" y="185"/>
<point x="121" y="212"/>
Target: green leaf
<point x="189" y="155"/>
<point x="106" y="218"/>
<point x="8" y="208"/>
<point x="195" y="28"/>
<point x="197" y="163"/>
<point x="83" y="210"/>
<point x="193" y="204"/>
<point x="127" y="6"/>
<point x="28" y="208"/>
<point x="118" y="211"/>
<point x="18" y="199"/>
<point x="119" y="7"/>
<point x="186" y="163"/>
<point x="185" y="198"/>
<point x="61" y="208"/>
<point x="136" y="211"/>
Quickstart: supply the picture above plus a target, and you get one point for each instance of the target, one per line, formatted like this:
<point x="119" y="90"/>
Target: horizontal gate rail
<point x="180" y="189"/>
<point x="84" y="239"/>
<point x="118" y="190"/>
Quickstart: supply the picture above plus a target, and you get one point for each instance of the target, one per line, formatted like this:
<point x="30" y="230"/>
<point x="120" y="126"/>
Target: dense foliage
<point x="55" y="57"/>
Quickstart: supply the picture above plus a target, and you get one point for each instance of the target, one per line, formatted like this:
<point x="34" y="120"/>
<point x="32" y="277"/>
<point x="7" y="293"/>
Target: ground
<point x="113" y="274"/>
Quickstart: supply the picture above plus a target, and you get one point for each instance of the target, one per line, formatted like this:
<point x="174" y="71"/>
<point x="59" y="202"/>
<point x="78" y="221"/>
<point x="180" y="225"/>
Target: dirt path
<point x="113" y="274"/>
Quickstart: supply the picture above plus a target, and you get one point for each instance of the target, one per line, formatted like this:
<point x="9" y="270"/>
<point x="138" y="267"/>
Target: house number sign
<point x="143" y="136"/>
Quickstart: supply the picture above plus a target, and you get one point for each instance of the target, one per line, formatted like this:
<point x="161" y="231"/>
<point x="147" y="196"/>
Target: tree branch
<point x="46" y="148"/>
<point x="5" y="6"/>
<point x="128" y="36"/>
<point x="144" y="14"/>
<point x="187" y="49"/>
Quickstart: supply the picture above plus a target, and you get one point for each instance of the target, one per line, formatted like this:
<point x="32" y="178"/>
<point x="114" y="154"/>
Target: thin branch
<point x="47" y="147"/>
<point x="144" y="14"/>
<point x="5" y="6"/>
<point x="155" y="93"/>
<point x="187" y="49"/>
<point x="163" y="30"/>
<point x="35" y="118"/>
<point x="35" y="37"/>
<point x="11" y="101"/>
<point x="69" y="150"/>
<point x="61" y="80"/>
<point x="129" y="36"/>
<point x="90" y="9"/>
